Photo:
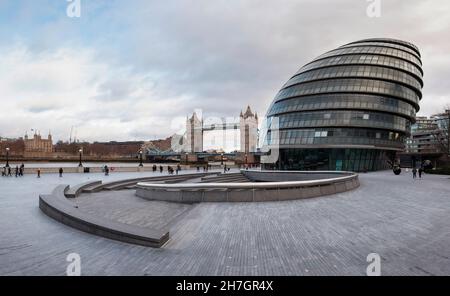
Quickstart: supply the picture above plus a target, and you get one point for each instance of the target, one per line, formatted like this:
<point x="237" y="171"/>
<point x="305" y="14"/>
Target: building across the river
<point x="38" y="147"/>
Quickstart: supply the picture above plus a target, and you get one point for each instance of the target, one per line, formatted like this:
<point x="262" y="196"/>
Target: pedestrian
<point x="22" y="169"/>
<point x="4" y="171"/>
<point x="161" y="169"/>
<point x="17" y="171"/>
<point x="420" y="172"/>
<point x="38" y="173"/>
<point x="60" y="172"/>
<point x="9" y="172"/>
<point x="198" y="169"/>
<point x="106" y="170"/>
<point x="414" y="171"/>
<point x="225" y="169"/>
<point x="154" y="168"/>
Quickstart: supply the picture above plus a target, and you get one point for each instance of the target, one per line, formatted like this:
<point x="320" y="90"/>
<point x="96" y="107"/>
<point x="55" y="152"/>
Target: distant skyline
<point x="133" y="70"/>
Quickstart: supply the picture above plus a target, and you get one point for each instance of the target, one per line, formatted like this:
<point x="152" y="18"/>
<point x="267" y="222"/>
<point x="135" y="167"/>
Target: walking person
<point x="4" y="171"/>
<point x="9" y="172"/>
<point x="61" y="172"/>
<point x="38" y="173"/>
<point x="17" y="171"/>
<point x="414" y="171"/>
<point x="22" y="169"/>
<point x="420" y="172"/>
<point x="161" y="169"/>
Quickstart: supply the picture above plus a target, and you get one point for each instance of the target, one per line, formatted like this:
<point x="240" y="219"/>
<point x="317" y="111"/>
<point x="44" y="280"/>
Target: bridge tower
<point x="249" y="131"/>
<point x="194" y="134"/>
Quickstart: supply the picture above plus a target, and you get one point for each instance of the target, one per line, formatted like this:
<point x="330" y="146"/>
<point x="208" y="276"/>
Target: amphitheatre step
<point x="235" y="177"/>
<point x="221" y="175"/>
<point x="58" y="207"/>
<point x="74" y="191"/>
<point x="229" y="180"/>
<point x="122" y="184"/>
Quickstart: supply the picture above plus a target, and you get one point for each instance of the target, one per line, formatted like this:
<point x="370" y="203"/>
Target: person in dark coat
<point x="17" y="171"/>
<point x="420" y="173"/>
<point x="414" y="171"/>
<point x="61" y="172"/>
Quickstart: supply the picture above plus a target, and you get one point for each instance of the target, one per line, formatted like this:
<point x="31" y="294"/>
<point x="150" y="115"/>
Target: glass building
<point x="349" y="109"/>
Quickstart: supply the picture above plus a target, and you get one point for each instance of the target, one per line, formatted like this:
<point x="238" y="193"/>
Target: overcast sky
<point x="132" y="70"/>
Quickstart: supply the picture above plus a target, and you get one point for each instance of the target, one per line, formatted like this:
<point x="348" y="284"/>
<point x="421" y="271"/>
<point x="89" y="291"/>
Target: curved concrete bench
<point x="58" y="207"/>
<point x="249" y="192"/>
<point x="76" y="190"/>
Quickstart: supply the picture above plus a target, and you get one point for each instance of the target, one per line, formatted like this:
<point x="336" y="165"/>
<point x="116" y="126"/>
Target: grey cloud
<point x="222" y="55"/>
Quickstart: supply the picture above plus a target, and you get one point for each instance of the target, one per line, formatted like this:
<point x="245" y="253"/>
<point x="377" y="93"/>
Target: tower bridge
<point x="192" y="143"/>
<point x="247" y="126"/>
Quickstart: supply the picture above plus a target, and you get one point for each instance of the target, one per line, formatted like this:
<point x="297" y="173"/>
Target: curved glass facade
<point x="366" y="59"/>
<point x="349" y="109"/>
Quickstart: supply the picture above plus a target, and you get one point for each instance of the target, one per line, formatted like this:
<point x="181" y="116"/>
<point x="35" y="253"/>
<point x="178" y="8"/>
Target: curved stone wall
<point x="300" y="185"/>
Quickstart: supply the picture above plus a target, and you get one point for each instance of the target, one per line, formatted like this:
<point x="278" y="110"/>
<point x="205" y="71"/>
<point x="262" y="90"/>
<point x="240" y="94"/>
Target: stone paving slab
<point x="123" y="206"/>
<point x="406" y="221"/>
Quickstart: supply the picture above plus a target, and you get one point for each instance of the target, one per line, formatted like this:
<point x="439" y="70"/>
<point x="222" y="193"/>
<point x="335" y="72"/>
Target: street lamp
<point x="140" y="158"/>
<point x="80" y="164"/>
<point x="7" y="157"/>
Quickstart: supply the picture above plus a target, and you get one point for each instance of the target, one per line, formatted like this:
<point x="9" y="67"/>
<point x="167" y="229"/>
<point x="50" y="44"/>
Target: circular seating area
<point x="244" y="186"/>
<point x="252" y="186"/>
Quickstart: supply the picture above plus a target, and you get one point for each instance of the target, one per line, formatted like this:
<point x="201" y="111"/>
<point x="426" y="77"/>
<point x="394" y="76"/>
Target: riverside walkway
<point x="405" y="221"/>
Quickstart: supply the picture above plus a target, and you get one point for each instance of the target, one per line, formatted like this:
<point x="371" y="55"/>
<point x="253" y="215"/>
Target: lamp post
<point x="140" y="158"/>
<point x="80" y="164"/>
<point x="7" y="157"/>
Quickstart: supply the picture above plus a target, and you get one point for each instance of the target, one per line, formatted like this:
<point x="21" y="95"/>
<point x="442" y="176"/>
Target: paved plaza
<point x="406" y="221"/>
